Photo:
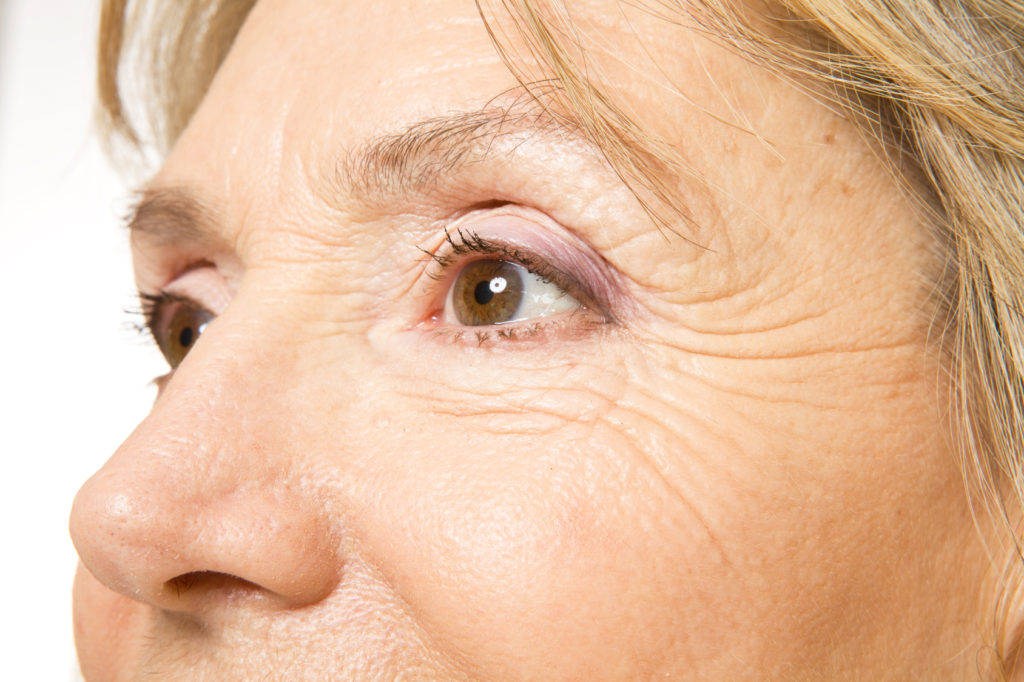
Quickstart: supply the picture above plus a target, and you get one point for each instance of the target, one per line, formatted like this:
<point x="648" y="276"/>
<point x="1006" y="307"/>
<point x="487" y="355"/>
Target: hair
<point x="938" y="85"/>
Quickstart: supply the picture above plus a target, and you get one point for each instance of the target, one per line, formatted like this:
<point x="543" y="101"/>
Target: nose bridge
<point x="208" y="493"/>
<point x="216" y="417"/>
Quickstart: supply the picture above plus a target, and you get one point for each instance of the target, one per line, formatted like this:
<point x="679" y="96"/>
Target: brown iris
<point x="185" y="326"/>
<point x="487" y="292"/>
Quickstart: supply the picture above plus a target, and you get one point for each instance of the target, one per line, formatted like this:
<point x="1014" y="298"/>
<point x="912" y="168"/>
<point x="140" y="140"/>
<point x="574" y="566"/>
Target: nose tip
<point x="190" y="541"/>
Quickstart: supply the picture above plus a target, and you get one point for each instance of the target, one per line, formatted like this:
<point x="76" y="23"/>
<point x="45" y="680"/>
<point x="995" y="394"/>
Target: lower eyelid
<point x="584" y="323"/>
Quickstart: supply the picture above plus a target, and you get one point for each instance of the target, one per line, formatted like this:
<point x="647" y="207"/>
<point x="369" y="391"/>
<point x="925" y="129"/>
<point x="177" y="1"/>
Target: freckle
<point x="830" y="138"/>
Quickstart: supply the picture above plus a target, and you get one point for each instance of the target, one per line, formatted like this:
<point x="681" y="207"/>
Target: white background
<point x="73" y="375"/>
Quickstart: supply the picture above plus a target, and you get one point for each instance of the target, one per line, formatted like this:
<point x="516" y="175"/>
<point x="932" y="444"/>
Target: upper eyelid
<point x="201" y="284"/>
<point x="468" y="242"/>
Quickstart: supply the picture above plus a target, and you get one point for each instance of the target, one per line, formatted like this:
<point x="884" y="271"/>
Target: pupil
<point x="185" y="337"/>
<point x="483" y="292"/>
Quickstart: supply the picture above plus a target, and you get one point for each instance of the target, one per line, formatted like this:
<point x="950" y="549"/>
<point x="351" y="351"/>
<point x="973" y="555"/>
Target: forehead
<point x="301" y="76"/>
<point x="323" y="72"/>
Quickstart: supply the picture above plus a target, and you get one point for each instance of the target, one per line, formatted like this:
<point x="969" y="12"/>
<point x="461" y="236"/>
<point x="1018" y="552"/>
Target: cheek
<point x="606" y="525"/>
<point x="109" y="628"/>
<point x="519" y="507"/>
<point x="535" y="546"/>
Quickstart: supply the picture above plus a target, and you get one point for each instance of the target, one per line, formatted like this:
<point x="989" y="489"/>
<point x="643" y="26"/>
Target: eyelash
<point x="151" y="306"/>
<point x="463" y="243"/>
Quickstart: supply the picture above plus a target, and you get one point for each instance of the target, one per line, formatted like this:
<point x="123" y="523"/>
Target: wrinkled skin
<point x="728" y="461"/>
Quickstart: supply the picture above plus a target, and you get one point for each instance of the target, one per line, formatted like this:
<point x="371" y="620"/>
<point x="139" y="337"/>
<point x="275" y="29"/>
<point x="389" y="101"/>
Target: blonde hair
<point x="939" y="85"/>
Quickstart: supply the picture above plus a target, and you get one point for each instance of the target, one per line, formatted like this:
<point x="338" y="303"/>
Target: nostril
<point x="206" y="583"/>
<point x="183" y="542"/>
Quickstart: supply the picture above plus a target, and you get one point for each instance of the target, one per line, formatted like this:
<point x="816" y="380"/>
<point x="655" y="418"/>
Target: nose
<point x="206" y="504"/>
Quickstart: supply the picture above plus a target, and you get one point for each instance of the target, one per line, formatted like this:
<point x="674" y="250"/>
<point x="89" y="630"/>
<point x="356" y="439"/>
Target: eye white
<point x="542" y="298"/>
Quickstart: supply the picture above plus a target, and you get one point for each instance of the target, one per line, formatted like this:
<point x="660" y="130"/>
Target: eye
<point x="176" y="324"/>
<point x="493" y="291"/>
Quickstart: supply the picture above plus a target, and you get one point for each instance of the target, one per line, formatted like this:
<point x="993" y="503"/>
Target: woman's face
<point x="464" y="411"/>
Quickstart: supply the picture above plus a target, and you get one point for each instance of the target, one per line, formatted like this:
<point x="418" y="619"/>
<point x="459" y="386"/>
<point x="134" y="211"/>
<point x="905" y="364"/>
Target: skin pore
<point x="722" y="455"/>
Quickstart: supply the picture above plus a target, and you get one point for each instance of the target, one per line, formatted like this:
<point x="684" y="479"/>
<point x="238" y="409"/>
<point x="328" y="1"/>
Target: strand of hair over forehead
<point x="938" y="84"/>
<point x="156" y="61"/>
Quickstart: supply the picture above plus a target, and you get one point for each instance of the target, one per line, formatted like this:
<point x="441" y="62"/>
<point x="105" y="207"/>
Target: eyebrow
<point x="167" y="216"/>
<point x="415" y="160"/>
<point x="412" y="162"/>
